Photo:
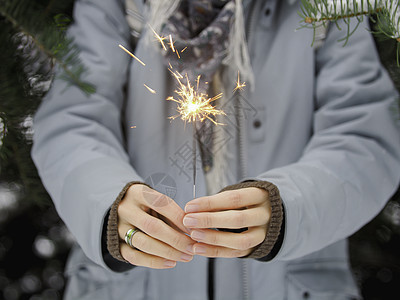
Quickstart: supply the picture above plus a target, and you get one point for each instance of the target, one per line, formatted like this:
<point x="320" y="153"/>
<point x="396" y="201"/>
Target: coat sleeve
<point x="351" y="165"/>
<point x="78" y="141"/>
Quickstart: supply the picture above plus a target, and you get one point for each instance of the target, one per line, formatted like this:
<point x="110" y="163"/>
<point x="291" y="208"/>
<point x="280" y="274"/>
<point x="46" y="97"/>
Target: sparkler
<point x="193" y="105"/>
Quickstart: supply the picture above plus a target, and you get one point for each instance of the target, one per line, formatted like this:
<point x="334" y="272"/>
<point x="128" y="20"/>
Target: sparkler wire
<point x="194" y="158"/>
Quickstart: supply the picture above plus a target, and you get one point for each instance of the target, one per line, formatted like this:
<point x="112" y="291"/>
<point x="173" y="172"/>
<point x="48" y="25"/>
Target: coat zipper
<point x="242" y="173"/>
<point x="242" y="150"/>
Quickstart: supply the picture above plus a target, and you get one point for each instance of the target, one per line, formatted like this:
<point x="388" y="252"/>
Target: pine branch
<point x="48" y="38"/>
<point x="320" y="12"/>
<point x="333" y="10"/>
<point x="317" y="11"/>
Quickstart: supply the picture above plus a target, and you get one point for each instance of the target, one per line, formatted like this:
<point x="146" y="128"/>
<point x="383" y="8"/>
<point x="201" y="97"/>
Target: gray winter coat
<point x="320" y="125"/>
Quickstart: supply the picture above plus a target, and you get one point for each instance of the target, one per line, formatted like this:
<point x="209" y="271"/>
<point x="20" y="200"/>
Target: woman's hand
<point x="242" y="208"/>
<point x="161" y="240"/>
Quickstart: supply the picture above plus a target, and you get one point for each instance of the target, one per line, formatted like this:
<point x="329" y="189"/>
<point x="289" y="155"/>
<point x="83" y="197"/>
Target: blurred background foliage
<point x="34" y="242"/>
<point x="375" y="248"/>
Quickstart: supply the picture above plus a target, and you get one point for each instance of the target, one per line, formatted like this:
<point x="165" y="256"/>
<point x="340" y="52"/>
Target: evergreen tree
<point x="34" y="242"/>
<point x="32" y="40"/>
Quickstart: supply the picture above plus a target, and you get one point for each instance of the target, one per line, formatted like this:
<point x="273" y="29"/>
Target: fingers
<point x="243" y="208"/>
<point x="137" y="258"/>
<point x="160" y="243"/>
<point x="233" y="219"/>
<point x="152" y="246"/>
<point x="228" y="200"/>
<point x="216" y="251"/>
<point x="213" y="243"/>
<point x="158" y="202"/>
<point x="158" y="230"/>
<point x="238" y="241"/>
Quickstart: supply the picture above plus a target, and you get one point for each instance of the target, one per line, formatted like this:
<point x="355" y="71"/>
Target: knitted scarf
<point x="202" y="28"/>
<point x="211" y="32"/>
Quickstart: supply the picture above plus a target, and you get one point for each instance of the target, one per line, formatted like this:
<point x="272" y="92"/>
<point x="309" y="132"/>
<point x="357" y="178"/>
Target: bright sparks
<point x="193" y="105"/>
<point x="131" y="54"/>
<point x="149" y="89"/>
<point x="171" y="43"/>
<point x="239" y="85"/>
<point x="159" y="38"/>
<point x="172" y="46"/>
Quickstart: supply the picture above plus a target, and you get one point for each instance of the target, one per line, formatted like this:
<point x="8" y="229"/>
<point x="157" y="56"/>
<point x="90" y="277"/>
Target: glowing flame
<point x="192" y="104"/>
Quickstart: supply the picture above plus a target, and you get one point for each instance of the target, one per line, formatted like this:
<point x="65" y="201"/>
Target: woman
<point x="308" y="152"/>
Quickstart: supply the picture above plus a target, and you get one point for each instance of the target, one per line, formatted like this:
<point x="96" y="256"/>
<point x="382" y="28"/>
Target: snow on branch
<point x="317" y="12"/>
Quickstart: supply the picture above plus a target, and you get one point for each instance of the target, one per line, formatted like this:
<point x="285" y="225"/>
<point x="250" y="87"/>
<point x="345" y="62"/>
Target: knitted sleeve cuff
<point x="113" y="239"/>
<point x="276" y="220"/>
